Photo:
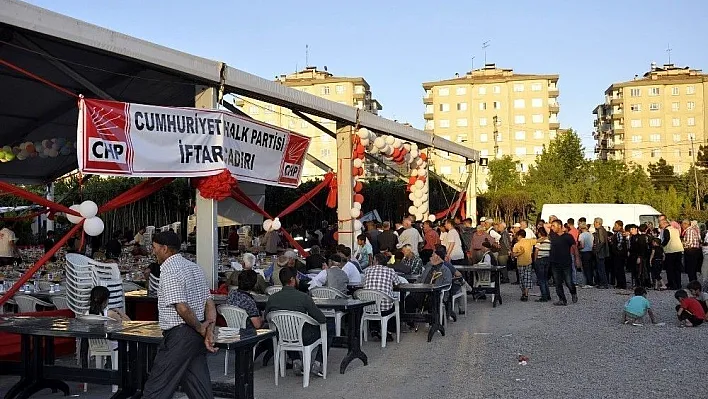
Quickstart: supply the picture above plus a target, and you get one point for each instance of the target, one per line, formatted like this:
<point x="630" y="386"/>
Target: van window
<point x="654" y="219"/>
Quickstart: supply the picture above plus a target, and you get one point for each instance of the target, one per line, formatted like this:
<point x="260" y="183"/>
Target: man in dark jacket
<point x="387" y="239"/>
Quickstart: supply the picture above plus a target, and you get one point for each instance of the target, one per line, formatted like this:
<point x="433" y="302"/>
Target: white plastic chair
<point x="273" y="289"/>
<point x="60" y="302"/>
<point x="9" y="302"/>
<point x="289" y="326"/>
<point x="153" y="284"/>
<point x="28" y="304"/>
<point x="331" y="293"/>
<point x="462" y="295"/>
<point x="373" y="312"/>
<point x="100" y="349"/>
<point x="235" y="318"/>
<point x="443" y="315"/>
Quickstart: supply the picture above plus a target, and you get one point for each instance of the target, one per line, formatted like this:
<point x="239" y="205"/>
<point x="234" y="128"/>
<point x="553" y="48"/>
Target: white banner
<point x="125" y="139"/>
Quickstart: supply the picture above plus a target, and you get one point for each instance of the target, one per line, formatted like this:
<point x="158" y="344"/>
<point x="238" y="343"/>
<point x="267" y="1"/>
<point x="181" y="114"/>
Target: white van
<point x="627" y="213"/>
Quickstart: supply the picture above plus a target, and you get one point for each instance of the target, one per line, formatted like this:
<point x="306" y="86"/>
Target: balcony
<point x="554" y="107"/>
<point x="553" y="91"/>
<point x="617" y="113"/>
<point x="428" y="116"/>
<point x="554" y="125"/>
<point x="618" y="129"/>
<point x="616" y="101"/>
<point x="427" y="99"/>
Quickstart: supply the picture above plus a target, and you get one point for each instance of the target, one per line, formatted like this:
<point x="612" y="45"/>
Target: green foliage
<point x="662" y="175"/>
<point x="503" y="174"/>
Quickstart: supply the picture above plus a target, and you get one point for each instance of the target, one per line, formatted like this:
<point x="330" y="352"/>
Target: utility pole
<point x="695" y="176"/>
<point x="496" y="133"/>
<point x="484" y="47"/>
<point x="473" y="63"/>
<point x="668" y="51"/>
<point x="307" y="55"/>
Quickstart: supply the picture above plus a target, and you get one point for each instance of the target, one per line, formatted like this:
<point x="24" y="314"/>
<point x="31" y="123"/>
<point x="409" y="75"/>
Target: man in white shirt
<point x="453" y="244"/>
<point x="352" y="273"/>
<point x="492" y="231"/>
<point x="529" y="231"/>
<point x="409" y="236"/>
<point x="8" y="250"/>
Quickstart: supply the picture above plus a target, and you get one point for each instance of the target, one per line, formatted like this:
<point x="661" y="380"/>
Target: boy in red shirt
<point x="689" y="311"/>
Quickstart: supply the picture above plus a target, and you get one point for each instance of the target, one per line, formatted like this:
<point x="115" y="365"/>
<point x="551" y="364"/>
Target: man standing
<point x="372" y="233"/>
<point x="233" y="239"/>
<point x="620" y="250"/>
<point x="601" y="251"/>
<point x="504" y="250"/>
<point x="692" y="255"/>
<point x="561" y="262"/>
<point x="187" y="316"/>
<point x="673" y="249"/>
<point x="453" y="244"/>
<point x="388" y="240"/>
<point x="530" y="234"/>
<point x="478" y="238"/>
<point x="585" y="244"/>
<point x="8" y="250"/>
<point x="409" y="236"/>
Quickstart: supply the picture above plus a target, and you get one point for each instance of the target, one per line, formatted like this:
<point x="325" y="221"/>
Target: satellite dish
<point x="325" y="67"/>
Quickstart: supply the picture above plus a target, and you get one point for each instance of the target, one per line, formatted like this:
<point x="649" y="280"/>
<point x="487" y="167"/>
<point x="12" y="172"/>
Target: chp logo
<point x="106" y="139"/>
<point x="293" y="159"/>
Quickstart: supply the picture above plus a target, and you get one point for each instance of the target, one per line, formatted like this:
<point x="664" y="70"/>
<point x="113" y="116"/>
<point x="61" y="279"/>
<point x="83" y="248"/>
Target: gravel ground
<point x="582" y="350"/>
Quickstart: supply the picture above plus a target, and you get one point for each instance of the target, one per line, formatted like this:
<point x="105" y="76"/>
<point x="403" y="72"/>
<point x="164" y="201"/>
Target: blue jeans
<point x="573" y="270"/>
<point x="602" y="276"/>
<point x="562" y="274"/>
<point x="541" y="265"/>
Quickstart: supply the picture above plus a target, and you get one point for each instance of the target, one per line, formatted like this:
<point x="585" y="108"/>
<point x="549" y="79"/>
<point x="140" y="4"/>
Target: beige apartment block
<point x="495" y="111"/>
<point x="352" y="91"/>
<point x="659" y="115"/>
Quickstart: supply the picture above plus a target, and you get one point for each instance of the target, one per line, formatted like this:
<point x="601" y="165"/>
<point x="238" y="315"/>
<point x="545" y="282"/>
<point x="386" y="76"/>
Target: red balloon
<point x="358" y="186"/>
<point x="411" y="180"/>
<point x="423" y="156"/>
<point x="355" y="171"/>
<point x="360" y="149"/>
<point x="336" y="235"/>
<point x="404" y="151"/>
<point x="421" y="178"/>
<point x="360" y="156"/>
<point x="396" y="153"/>
<point x="359" y="198"/>
<point x="356" y="139"/>
<point x="408" y="186"/>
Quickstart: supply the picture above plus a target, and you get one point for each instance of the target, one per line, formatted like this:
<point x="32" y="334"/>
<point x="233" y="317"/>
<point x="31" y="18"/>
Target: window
<point x="484" y="153"/>
<point x="635" y="92"/>
<point x="461" y="91"/>
<point x="538" y="135"/>
<point x="692" y="137"/>
<point x="291" y="123"/>
<point x="536" y="87"/>
<point x="655" y="153"/>
<point x="537" y="118"/>
<point x="518" y="87"/>
<point x="636" y="154"/>
<point x="654" y="107"/>
<point x="674" y="91"/>
<point x="675" y="106"/>
<point x="691" y="89"/>
<point x="520" y="135"/>
<point x="444" y="92"/>
<point x="653" y="91"/>
<point x="359" y="89"/>
<point x="462" y="122"/>
<point x="635" y="107"/>
<point x="461" y="138"/>
<point x="691" y="121"/>
<point x="521" y="151"/>
<point x="677" y="138"/>
<point x="482" y="90"/>
<point x="497" y="105"/>
<point x="552" y="134"/>
<point x="690" y="105"/>
<point x="325" y="152"/>
<point x="446" y="170"/>
<point x="444" y="123"/>
<point x="444" y="107"/>
<point x="253" y="110"/>
<point x="636" y="123"/>
<point x="499" y="138"/>
<point x="339" y="89"/>
<point x="675" y="122"/>
<point x="483" y="138"/>
<point x="462" y="106"/>
<point x="429" y="125"/>
<point x="522" y="167"/>
<point x="303" y="124"/>
<point x="537" y="102"/>
<point x="325" y="90"/>
<point x="654" y="122"/>
<point x="519" y="103"/>
<point x="677" y="153"/>
<point x="326" y="138"/>
<point x="519" y="119"/>
<point x="500" y="152"/>
<point x="268" y="109"/>
<point x="496" y="89"/>
<point x="482" y="121"/>
<point x="678" y="169"/>
<point x="636" y="139"/>
<point x="655" y="138"/>
<point x="482" y="106"/>
<point x="537" y="150"/>
<point x="429" y="108"/>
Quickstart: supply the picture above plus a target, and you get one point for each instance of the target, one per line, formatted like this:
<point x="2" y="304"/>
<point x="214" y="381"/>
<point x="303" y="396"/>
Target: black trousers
<point x="672" y="262"/>
<point x="180" y="360"/>
<point x="686" y="315"/>
<point x="620" y="273"/>
<point x="692" y="258"/>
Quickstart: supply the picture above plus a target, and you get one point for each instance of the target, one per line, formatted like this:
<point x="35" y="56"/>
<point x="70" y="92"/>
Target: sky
<point x="397" y="45"/>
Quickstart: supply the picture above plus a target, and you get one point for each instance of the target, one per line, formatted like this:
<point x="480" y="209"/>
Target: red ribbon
<point x="457" y="204"/>
<point x="332" y="195"/>
<point x="217" y="187"/>
<point x="24" y="217"/>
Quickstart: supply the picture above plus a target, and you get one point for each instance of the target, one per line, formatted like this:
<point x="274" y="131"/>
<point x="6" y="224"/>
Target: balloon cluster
<point x="88" y="210"/>
<point x="394" y="149"/>
<point x="361" y="139"/>
<point x="49" y="148"/>
<point x="272" y="224"/>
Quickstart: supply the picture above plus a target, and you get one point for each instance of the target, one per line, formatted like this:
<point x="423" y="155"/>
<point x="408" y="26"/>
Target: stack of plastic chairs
<point x="147" y="237"/>
<point x="79" y="282"/>
<point x="108" y="275"/>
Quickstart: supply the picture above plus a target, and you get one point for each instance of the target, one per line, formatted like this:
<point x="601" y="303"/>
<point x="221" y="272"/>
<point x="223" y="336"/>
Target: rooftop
<point x="489" y="74"/>
<point x="665" y="74"/>
<point x="311" y="75"/>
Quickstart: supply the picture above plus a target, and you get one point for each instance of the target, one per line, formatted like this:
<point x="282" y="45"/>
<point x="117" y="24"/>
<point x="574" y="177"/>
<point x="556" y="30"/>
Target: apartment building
<point x="352" y="91"/>
<point x="660" y="115"/>
<point x="493" y="110"/>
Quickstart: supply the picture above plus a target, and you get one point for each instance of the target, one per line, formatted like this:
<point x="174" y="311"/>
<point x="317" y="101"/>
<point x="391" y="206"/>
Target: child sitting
<point x="638" y="306"/>
<point x="696" y="291"/>
<point x="689" y="311"/>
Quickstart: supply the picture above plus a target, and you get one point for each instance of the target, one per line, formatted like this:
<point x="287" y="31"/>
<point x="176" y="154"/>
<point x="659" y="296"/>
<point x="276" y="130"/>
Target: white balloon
<point x="431" y="218"/>
<point x="415" y="189"/>
<point x="267" y="225"/>
<point x="365" y="142"/>
<point x="423" y="165"/>
<point x="363" y="133"/>
<point x="355" y="212"/>
<point x="419" y="184"/>
<point x="419" y="193"/>
<point x="389" y="150"/>
<point x="411" y="196"/>
<point x="417" y="202"/>
<point x="423" y="208"/>
<point x="88" y="209"/>
<point x="419" y="216"/>
<point x="357" y="163"/>
<point x="419" y="161"/>
<point x="414" y="172"/>
<point x="372" y="136"/>
<point x="93" y="226"/>
<point x="397" y="143"/>
<point x="53" y="153"/>
<point x="414" y="154"/>
<point x="379" y="142"/>
<point x="422" y="172"/>
<point x="357" y="205"/>
<point x="276" y="224"/>
<point x="390" y="140"/>
<point x="407" y="146"/>
<point x="424" y="189"/>
<point x="414" y="146"/>
<point x="384" y="149"/>
<point x="74" y="219"/>
<point x="412" y="210"/>
<point x="358" y="225"/>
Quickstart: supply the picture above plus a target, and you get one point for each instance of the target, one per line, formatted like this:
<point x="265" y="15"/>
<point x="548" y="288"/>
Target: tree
<point x="702" y="157"/>
<point x="662" y="175"/>
<point x="503" y="174"/>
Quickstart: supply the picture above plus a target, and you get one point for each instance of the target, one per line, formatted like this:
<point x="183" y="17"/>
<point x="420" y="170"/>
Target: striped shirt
<point x="181" y="281"/>
<point x="543" y="248"/>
